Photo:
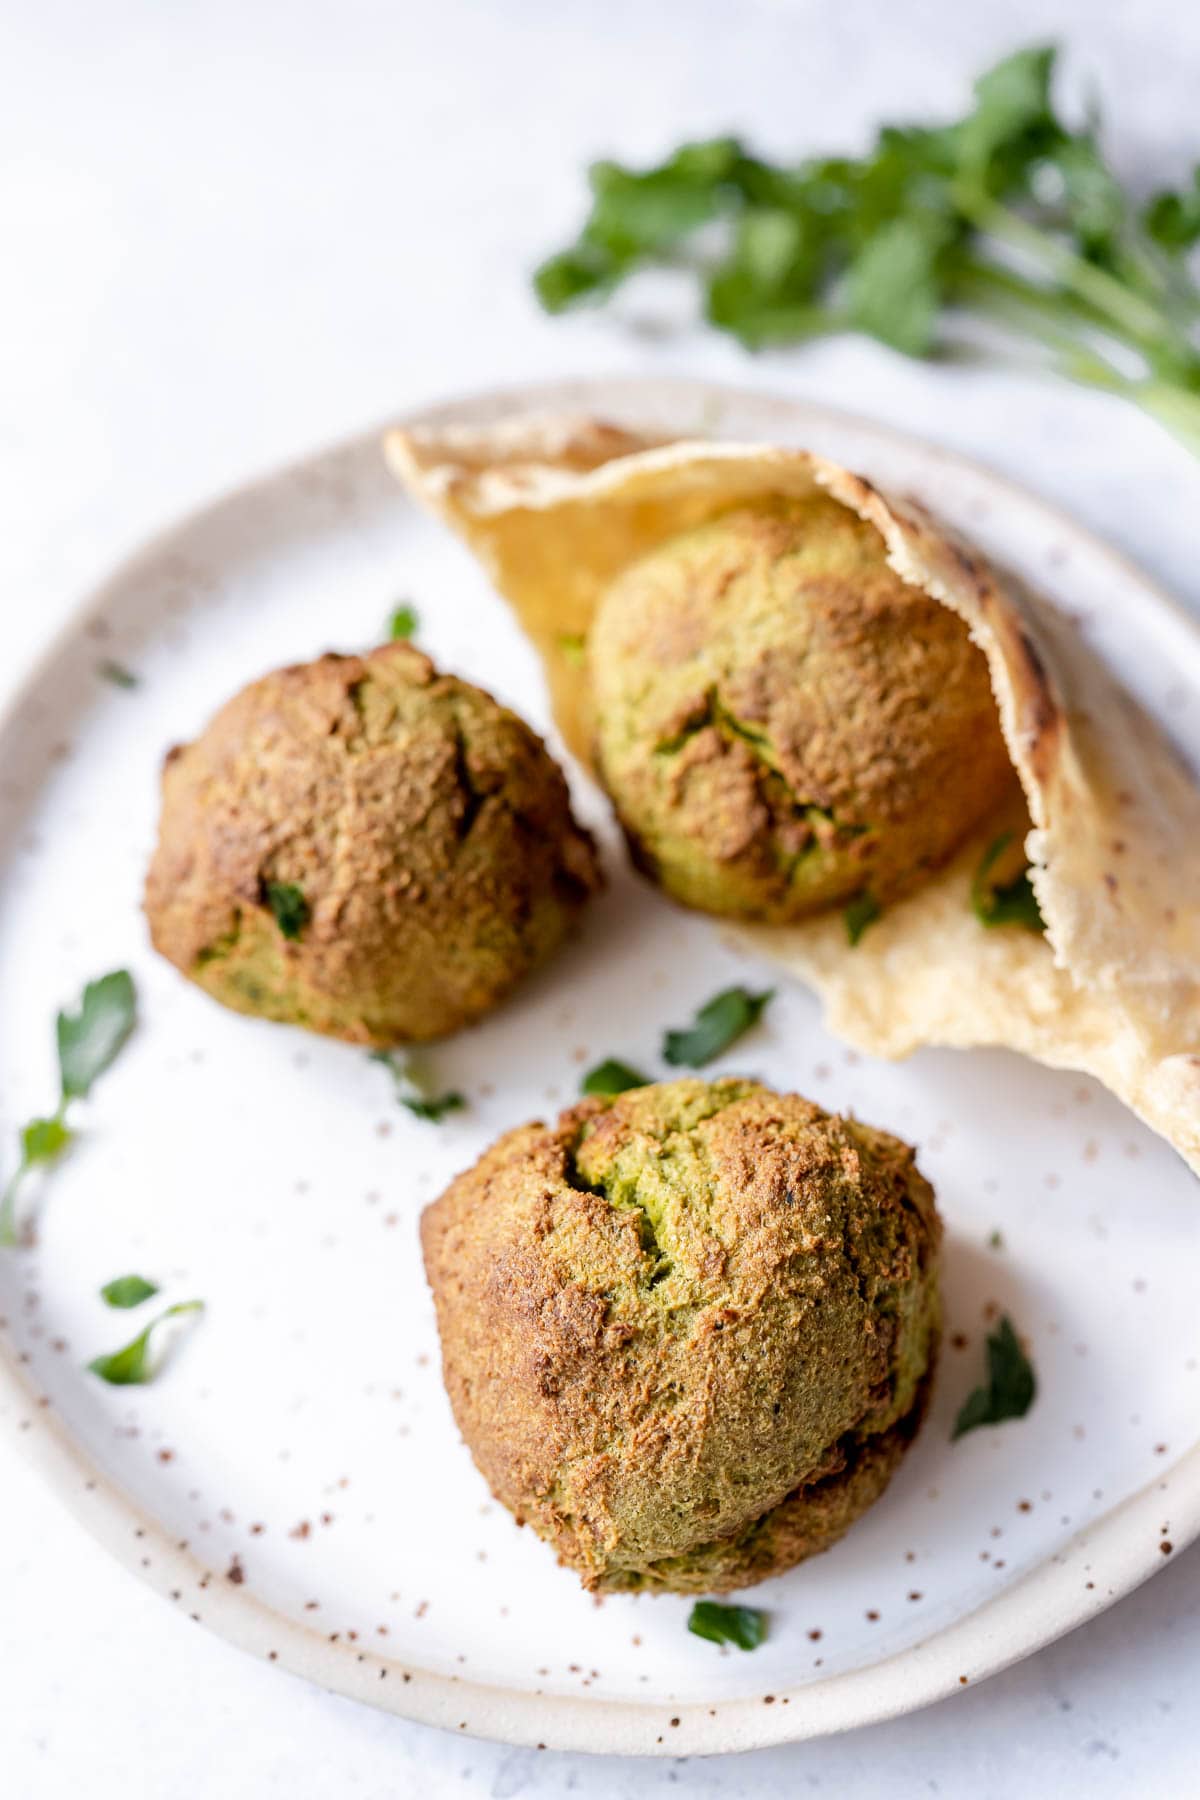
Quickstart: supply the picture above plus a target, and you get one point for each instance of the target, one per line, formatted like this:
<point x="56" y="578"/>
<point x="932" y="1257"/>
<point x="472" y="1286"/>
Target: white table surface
<point x="231" y="230"/>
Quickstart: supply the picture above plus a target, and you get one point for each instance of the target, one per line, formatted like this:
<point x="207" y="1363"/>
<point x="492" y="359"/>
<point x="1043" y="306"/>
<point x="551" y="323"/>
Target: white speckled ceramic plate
<point x="293" y="1479"/>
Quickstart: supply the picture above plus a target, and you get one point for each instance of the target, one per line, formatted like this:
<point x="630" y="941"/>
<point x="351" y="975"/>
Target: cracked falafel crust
<point x="687" y="1333"/>
<point x="420" y="832"/>
<point x="782" y="722"/>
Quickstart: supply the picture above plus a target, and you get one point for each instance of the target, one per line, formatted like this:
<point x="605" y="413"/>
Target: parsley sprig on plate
<point x="1009" y="214"/>
<point x="744" y="1626"/>
<point x="402" y="622"/>
<point x="88" y="1041"/>
<point x="1010" y="1388"/>
<point x="414" y="1086"/>
<point x="138" y="1361"/>
<point x="612" y="1076"/>
<point x="718" y="1024"/>
<point x="125" y="1291"/>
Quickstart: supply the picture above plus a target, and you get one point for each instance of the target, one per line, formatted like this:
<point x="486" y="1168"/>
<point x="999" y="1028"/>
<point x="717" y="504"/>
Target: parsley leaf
<point x="763" y="292"/>
<point x="744" y="1626"/>
<point x="1004" y="903"/>
<point x="638" y="214"/>
<point x="632" y="212"/>
<point x="435" y="1108"/>
<point x="132" y="1365"/>
<point x="403" y="623"/>
<point x="43" y="1140"/>
<point x="1012" y="101"/>
<point x="412" y="1087"/>
<point x="89" y="1040"/>
<point x="573" y="646"/>
<point x="1010" y="1388"/>
<point x="862" y="911"/>
<point x="289" y="906"/>
<point x="717" y="1025"/>
<point x="1173" y="220"/>
<point x="894" y="289"/>
<point x="563" y="279"/>
<point x="612" y="1077"/>
<point x="127" y="1290"/>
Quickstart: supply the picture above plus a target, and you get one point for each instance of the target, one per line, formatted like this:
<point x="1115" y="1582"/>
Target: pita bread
<point x="555" y="508"/>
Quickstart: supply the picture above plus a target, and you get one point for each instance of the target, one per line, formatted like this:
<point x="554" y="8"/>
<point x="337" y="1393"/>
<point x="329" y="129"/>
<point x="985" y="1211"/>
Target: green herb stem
<point x="1134" y="318"/>
<point x="8" y="1212"/>
<point x="42" y="1141"/>
<point x="1012" y="300"/>
<point x="1176" y="408"/>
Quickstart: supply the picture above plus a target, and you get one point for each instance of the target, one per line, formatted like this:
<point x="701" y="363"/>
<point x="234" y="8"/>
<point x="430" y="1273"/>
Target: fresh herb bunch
<point x="1008" y="214"/>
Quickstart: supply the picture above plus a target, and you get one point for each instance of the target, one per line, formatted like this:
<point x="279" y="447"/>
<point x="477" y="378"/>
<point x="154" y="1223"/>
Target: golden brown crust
<point x="809" y="1521"/>
<point x="666" y="1313"/>
<point x="782" y="723"/>
<point x="426" y="827"/>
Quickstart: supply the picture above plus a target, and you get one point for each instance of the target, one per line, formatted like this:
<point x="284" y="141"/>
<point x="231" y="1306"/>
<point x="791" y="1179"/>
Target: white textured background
<point x="233" y="229"/>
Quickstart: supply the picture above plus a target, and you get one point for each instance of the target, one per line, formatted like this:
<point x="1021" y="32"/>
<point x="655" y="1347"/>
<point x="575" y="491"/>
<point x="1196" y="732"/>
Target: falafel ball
<point x="687" y="1333"/>
<point x="366" y="847"/>
<point x="782" y="723"/>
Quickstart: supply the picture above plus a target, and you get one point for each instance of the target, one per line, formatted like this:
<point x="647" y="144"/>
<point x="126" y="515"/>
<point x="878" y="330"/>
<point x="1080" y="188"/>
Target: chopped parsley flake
<point x="720" y="1023"/>
<point x="1009" y="1390"/>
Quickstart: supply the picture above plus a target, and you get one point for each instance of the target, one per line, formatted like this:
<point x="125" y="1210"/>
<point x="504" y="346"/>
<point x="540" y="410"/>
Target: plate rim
<point x="1045" y="1603"/>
